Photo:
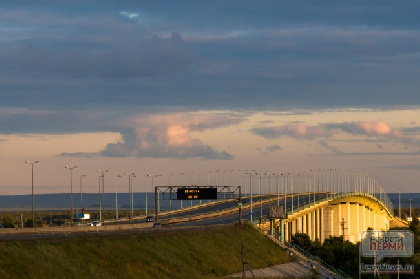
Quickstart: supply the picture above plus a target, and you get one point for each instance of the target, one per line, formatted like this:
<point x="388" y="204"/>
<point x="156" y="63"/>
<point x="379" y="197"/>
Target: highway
<point x="218" y="213"/>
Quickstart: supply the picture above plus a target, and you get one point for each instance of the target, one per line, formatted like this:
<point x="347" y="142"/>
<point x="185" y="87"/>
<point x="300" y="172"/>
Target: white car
<point x="96" y="224"/>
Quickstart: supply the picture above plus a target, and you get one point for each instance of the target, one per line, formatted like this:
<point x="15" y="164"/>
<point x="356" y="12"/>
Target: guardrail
<point x="331" y="196"/>
<point x="307" y="256"/>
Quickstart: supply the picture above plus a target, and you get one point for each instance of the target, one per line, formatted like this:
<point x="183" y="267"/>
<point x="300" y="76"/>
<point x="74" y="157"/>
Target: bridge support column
<point x="321" y="225"/>
<point x="310" y="225"/>
<point x="298" y="225"/>
<point x="282" y="230"/>
<point x="358" y="225"/>
<point x="331" y="221"/>
<point x="363" y="218"/>
<point x="293" y="226"/>
<point x="340" y="218"/>
<point x="271" y="226"/>
<point x="348" y="222"/>
<point x="374" y="220"/>
<point x="318" y="224"/>
<point x="304" y="226"/>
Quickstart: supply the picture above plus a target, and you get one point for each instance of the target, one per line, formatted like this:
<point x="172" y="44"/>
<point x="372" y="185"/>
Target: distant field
<point x="207" y="253"/>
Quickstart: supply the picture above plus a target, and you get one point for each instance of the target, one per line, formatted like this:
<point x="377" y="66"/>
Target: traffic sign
<point x="196" y="193"/>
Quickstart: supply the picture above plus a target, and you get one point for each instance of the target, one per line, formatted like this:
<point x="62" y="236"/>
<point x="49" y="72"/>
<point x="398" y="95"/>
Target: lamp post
<point x="71" y="192"/>
<point x="260" y="198"/>
<point x="130" y="194"/>
<point x="152" y="176"/>
<point x="170" y="197"/>
<point x="250" y="192"/>
<point x="191" y="185"/>
<point x="180" y="184"/>
<point x="116" y="197"/>
<point x="399" y="202"/>
<point x="208" y="178"/>
<point x="410" y="206"/>
<point x="81" y="191"/>
<point x="103" y="190"/>
<point x="33" y="200"/>
<point x="156" y="194"/>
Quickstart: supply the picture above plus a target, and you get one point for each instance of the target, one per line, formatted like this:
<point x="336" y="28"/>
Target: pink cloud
<point x="370" y="128"/>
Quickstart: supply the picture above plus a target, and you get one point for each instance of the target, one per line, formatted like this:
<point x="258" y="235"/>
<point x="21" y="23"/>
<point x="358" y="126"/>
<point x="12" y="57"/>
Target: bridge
<point x="327" y="202"/>
<point x="320" y="203"/>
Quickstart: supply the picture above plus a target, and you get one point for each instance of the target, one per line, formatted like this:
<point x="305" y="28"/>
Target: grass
<point x="206" y="253"/>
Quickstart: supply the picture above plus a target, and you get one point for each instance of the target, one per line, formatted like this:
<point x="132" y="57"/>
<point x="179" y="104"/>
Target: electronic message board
<point x="196" y="193"/>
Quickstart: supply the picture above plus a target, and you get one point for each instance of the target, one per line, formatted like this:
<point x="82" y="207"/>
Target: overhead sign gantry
<point x="197" y="193"/>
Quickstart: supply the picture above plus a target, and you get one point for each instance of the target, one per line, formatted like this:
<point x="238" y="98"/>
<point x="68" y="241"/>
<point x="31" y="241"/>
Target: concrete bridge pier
<point x="346" y="217"/>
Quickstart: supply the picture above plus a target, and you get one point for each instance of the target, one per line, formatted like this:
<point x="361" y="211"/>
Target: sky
<point x="195" y="90"/>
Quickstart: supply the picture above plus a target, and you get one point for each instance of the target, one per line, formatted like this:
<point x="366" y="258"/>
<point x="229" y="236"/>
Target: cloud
<point x="131" y="60"/>
<point x="269" y="149"/>
<point x="328" y="147"/>
<point x="130" y="15"/>
<point x="302" y="131"/>
<point x="299" y="131"/>
<point x="167" y="136"/>
<point x="368" y="128"/>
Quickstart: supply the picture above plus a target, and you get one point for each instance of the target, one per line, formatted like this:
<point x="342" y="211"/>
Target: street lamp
<point x="152" y="176"/>
<point x="81" y="191"/>
<point x="410" y="206"/>
<point x="33" y="200"/>
<point x="103" y="192"/>
<point x="191" y="183"/>
<point x="116" y="197"/>
<point x="157" y="204"/>
<point x="260" y="200"/>
<point x="180" y="184"/>
<point x="399" y="202"/>
<point x="130" y="193"/>
<point x="71" y="191"/>
<point x="170" y="197"/>
<point x="250" y="192"/>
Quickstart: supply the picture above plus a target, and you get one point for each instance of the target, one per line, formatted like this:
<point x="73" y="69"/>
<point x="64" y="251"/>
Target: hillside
<point x="204" y="253"/>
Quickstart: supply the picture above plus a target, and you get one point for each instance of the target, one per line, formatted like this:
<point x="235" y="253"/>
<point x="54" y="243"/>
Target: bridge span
<point x="332" y="203"/>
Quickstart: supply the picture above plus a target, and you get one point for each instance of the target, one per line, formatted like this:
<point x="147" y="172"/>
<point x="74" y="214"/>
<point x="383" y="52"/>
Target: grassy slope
<point x="198" y="254"/>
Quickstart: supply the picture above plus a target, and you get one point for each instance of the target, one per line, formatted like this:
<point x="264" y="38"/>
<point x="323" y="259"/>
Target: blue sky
<point x="190" y="86"/>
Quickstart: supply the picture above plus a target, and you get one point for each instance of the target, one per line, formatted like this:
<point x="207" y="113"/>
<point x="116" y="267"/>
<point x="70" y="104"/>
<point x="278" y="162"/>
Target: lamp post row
<point x="319" y="183"/>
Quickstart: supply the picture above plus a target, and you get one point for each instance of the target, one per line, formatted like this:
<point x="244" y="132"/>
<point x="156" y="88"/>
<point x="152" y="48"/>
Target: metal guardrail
<point x="317" y="260"/>
<point x="332" y="196"/>
<point x="307" y="257"/>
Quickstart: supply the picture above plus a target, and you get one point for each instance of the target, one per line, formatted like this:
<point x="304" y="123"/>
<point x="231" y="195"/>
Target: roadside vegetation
<point x="344" y="255"/>
<point x="205" y="253"/>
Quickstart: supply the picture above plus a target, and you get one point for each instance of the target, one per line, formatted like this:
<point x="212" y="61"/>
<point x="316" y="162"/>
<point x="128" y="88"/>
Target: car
<point x="157" y="225"/>
<point x="96" y="224"/>
<point x="149" y="218"/>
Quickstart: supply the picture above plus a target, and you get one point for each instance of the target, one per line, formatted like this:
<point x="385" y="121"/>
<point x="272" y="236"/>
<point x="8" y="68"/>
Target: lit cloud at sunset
<point x="178" y="135"/>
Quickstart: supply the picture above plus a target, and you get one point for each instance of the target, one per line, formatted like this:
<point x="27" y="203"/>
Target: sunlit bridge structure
<point x="327" y="202"/>
<point x="319" y="202"/>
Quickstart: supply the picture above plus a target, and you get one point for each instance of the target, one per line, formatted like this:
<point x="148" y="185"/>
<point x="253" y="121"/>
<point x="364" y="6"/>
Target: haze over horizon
<point x="197" y="87"/>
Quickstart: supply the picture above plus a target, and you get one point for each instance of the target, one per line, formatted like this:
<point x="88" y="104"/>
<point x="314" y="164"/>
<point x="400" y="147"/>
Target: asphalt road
<point x="223" y="213"/>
